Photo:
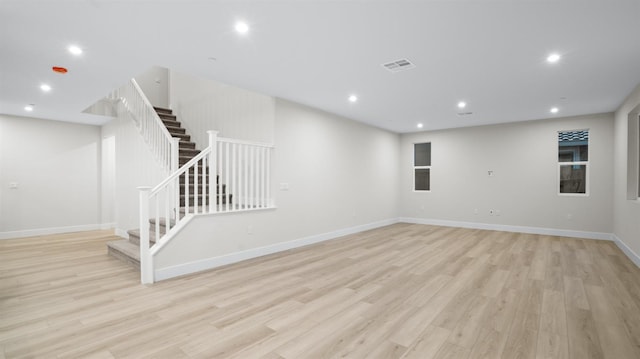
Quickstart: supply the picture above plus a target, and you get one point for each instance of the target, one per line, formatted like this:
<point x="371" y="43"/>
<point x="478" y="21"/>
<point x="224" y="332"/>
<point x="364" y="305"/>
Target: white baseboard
<point x="635" y="258"/>
<point x="54" y="230"/>
<point x="210" y="263"/>
<point x="108" y="225"/>
<point x="507" y="228"/>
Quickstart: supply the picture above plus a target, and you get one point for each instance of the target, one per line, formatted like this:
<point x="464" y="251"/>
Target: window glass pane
<point x="422" y="179"/>
<point x="573" y="146"/>
<point x="573" y="178"/>
<point x="422" y="154"/>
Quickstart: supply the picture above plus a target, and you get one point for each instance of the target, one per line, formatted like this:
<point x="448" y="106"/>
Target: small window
<point x="633" y="155"/>
<point x="573" y="161"/>
<point x="422" y="166"/>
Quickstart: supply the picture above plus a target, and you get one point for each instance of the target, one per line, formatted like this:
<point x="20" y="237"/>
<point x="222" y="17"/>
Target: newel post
<point x="213" y="171"/>
<point x="146" y="265"/>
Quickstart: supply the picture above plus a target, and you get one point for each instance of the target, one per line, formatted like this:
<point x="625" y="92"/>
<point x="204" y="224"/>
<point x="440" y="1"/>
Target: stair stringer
<point x="168" y="237"/>
<point x="210" y="240"/>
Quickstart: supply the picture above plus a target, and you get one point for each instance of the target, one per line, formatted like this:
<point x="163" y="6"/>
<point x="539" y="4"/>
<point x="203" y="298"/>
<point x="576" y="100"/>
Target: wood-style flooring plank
<point x="401" y="291"/>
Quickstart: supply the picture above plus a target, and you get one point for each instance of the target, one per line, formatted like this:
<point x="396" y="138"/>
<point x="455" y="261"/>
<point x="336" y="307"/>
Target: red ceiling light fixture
<point x="60" y="70"/>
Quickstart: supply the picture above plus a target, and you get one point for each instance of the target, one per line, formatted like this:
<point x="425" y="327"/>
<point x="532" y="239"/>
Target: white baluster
<point x="234" y="165"/>
<point x="213" y="165"/>
<point x="268" y="175"/>
<point x="252" y="176"/>
<point x="262" y="179"/>
<point x="186" y="192"/>
<point x="226" y="175"/>
<point x="195" y="187"/>
<point x="204" y="185"/>
<point x="246" y="176"/>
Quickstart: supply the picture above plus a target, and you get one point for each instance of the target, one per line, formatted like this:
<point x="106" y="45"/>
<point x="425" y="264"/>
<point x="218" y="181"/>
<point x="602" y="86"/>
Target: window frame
<point x="587" y="182"/>
<point x="413" y="174"/>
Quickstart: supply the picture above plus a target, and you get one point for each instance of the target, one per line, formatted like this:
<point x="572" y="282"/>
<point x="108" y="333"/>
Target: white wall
<point x="524" y="188"/>
<point x="203" y="105"/>
<point x="155" y="85"/>
<point x="133" y="165"/>
<point x="341" y="175"/>
<point x="627" y="212"/>
<point x="57" y="168"/>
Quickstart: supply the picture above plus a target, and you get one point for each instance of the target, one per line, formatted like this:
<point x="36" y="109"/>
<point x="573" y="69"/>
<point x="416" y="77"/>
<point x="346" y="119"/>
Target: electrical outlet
<point x="13" y="185"/>
<point x="284" y="186"/>
<point x="475" y="211"/>
<point x="497" y="212"/>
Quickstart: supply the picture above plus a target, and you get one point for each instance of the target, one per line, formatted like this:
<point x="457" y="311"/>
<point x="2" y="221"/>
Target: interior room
<point x="320" y="179"/>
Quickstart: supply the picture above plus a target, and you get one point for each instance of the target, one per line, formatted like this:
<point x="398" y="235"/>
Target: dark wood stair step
<point x="167" y="116"/>
<point x="176" y="130"/>
<point x="182" y="136"/>
<point x="192" y="188"/>
<point x="187" y="144"/>
<point x="171" y="123"/>
<point x="191" y="178"/>
<point x="221" y="199"/>
<point x="160" y="110"/>
<point x="188" y="152"/>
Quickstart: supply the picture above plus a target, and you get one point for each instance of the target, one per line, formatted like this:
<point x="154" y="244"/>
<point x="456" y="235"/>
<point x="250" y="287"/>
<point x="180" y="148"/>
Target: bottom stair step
<point x="125" y="251"/>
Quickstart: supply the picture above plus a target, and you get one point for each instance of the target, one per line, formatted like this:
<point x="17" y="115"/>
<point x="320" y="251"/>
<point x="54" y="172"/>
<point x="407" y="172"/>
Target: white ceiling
<point x="489" y="53"/>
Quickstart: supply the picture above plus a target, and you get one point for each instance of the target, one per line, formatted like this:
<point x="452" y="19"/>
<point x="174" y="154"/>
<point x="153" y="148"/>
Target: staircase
<point x="129" y="250"/>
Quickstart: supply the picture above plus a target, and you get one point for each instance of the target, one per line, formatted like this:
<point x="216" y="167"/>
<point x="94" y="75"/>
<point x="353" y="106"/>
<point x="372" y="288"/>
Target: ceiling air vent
<point x="399" y="65"/>
<point x="463" y="114"/>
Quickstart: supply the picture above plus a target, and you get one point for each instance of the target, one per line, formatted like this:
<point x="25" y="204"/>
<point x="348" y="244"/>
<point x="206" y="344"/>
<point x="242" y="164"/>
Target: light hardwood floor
<point x="402" y="291"/>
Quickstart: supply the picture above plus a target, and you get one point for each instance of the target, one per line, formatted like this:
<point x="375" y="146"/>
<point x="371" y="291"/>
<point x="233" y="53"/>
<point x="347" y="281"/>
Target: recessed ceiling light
<point x="419" y="125"/>
<point x="554" y="110"/>
<point x="28" y="108"/>
<point x="462" y="104"/>
<point x="45" y="87"/>
<point x="242" y="27"/>
<point x="553" y="58"/>
<point x="353" y="98"/>
<point x="75" y="50"/>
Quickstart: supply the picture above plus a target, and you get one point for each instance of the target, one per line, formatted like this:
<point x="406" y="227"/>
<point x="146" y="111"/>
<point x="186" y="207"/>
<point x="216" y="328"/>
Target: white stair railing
<point x="153" y="131"/>
<point x="245" y="168"/>
<point x="210" y="181"/>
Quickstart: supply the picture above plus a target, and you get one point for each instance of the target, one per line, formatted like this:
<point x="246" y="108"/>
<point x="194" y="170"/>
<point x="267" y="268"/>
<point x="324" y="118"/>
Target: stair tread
<point x="162" y="109"/>
<point x="188" y="151"/>
<point x="182" y="136"/>
<point x="125" y="247"/>
<point x="187" y="144"/>
<point x="175" y="130"/>
<point x="173" y="123"/>
<point x="136" y="233"/>
<point x="162" y="221"/>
